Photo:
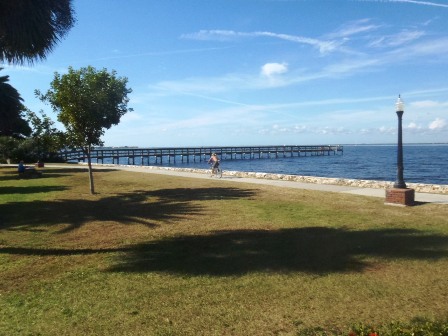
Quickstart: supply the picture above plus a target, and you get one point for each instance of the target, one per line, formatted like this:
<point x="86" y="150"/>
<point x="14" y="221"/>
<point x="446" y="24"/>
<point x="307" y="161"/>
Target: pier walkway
<point x="147" y="156"/>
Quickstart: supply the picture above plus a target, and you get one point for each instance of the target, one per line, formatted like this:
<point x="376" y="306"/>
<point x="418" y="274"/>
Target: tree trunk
<point x="89" y="163"/>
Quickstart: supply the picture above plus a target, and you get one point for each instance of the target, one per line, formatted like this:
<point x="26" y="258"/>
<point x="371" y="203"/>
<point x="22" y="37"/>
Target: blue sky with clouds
<point x="261" y="72"/>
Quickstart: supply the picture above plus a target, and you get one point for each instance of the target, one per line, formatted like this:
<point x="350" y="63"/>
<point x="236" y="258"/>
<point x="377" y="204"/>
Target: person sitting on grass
<point x="21" y="168"/>
<point x="27" y="171"/>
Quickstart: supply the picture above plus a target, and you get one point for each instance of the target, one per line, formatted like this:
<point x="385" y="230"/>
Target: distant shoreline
<point x="350" y="144"/>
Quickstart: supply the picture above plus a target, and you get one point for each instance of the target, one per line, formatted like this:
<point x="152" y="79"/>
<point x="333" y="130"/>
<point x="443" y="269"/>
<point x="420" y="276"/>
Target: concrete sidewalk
<point x="419" y="197"/>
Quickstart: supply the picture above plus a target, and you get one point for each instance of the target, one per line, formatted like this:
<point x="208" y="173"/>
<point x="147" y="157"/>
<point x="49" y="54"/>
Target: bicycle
<point x="216" y="172"/>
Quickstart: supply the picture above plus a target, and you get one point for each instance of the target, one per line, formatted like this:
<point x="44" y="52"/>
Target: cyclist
<point x="214" y="161"/>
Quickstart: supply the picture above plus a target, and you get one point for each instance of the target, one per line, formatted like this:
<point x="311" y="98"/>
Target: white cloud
<point x="437" y="124"/>
<point x="272" y="69"/>
<point x="387" y="130"/>
<point x="413" y="126"/>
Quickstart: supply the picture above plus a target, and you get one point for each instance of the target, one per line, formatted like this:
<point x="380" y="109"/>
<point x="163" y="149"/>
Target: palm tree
<point x="11" y="109"/>
<point x="29" y="29"/>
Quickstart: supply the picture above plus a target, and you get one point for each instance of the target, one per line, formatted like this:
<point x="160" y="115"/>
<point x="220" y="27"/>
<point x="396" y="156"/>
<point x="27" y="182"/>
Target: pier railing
<point x="146" y="156"/>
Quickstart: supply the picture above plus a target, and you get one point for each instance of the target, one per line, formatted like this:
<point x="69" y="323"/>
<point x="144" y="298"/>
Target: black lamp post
<point x="400" y="184"/>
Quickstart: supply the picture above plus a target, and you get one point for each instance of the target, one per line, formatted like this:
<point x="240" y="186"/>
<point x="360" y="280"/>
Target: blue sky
<point x="261" y="72"/>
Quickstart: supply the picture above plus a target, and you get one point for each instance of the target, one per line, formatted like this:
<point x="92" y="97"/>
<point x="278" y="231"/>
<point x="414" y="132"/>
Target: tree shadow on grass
<point x="57" y="252"/>
<point x="9" y="174"/>
<point x="139" y="207"/>
<point x="200" y="194"/>
<point x="60" y="172"/>
<point x="30" y="190"/>
<point x="314" y="250"/>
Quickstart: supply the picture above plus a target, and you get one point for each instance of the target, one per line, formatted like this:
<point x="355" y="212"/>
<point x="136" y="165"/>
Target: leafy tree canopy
<point x="11" y="110"/>
<point x="47" y="138"/>
<point x="29" y="29"/>
<point x="88" y="102"/>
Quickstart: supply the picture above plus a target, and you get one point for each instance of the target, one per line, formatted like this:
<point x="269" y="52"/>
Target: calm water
<point x="422" y="164"/>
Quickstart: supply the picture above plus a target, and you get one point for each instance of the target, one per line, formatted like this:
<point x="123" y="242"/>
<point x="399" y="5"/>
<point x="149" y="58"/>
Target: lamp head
<point x="399" y="104"/>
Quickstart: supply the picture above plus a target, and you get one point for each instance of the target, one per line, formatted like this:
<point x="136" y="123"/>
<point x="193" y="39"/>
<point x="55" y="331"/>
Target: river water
<point x="423" y="163"/>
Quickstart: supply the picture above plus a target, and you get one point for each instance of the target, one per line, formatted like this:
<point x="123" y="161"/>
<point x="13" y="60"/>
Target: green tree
<point x="8" y="149"/>
<point x="88" y="102"/>
<point x="11" y="110"/>
<point x="29" y="29"/>
<point x="47" y="139"/>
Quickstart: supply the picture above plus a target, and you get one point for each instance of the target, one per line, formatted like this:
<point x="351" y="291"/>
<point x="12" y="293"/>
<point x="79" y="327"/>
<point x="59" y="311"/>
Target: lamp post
<point x="400" y="184"/>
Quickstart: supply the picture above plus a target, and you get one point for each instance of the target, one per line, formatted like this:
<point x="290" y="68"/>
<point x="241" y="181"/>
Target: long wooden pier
<point x="146" y="156"/>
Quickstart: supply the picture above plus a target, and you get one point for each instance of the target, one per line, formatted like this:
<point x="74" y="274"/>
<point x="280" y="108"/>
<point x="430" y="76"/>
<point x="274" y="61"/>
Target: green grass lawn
<point x="160" y="255"/>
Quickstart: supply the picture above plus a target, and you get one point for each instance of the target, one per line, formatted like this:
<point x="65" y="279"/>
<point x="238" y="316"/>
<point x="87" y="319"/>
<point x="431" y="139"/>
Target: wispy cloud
<point x="353" y="28"/>
<point x="329" y="43"/>
<point x="288" y="120"/>
<point x="276" y="129"/>
<point x="205" y="84"/>
<point x="423" y="104"/>
<point x="395" y="40"/>
<point x="401" y="50"/>
<point x="323" y="46"/>
<point x="27" y="69"/>
<point x="434" y="48"/>
<point x="425" y="3"/>
<point x="415" y="2"/>
<point x="149" y="54"/>
<point x="410" y="45"/>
